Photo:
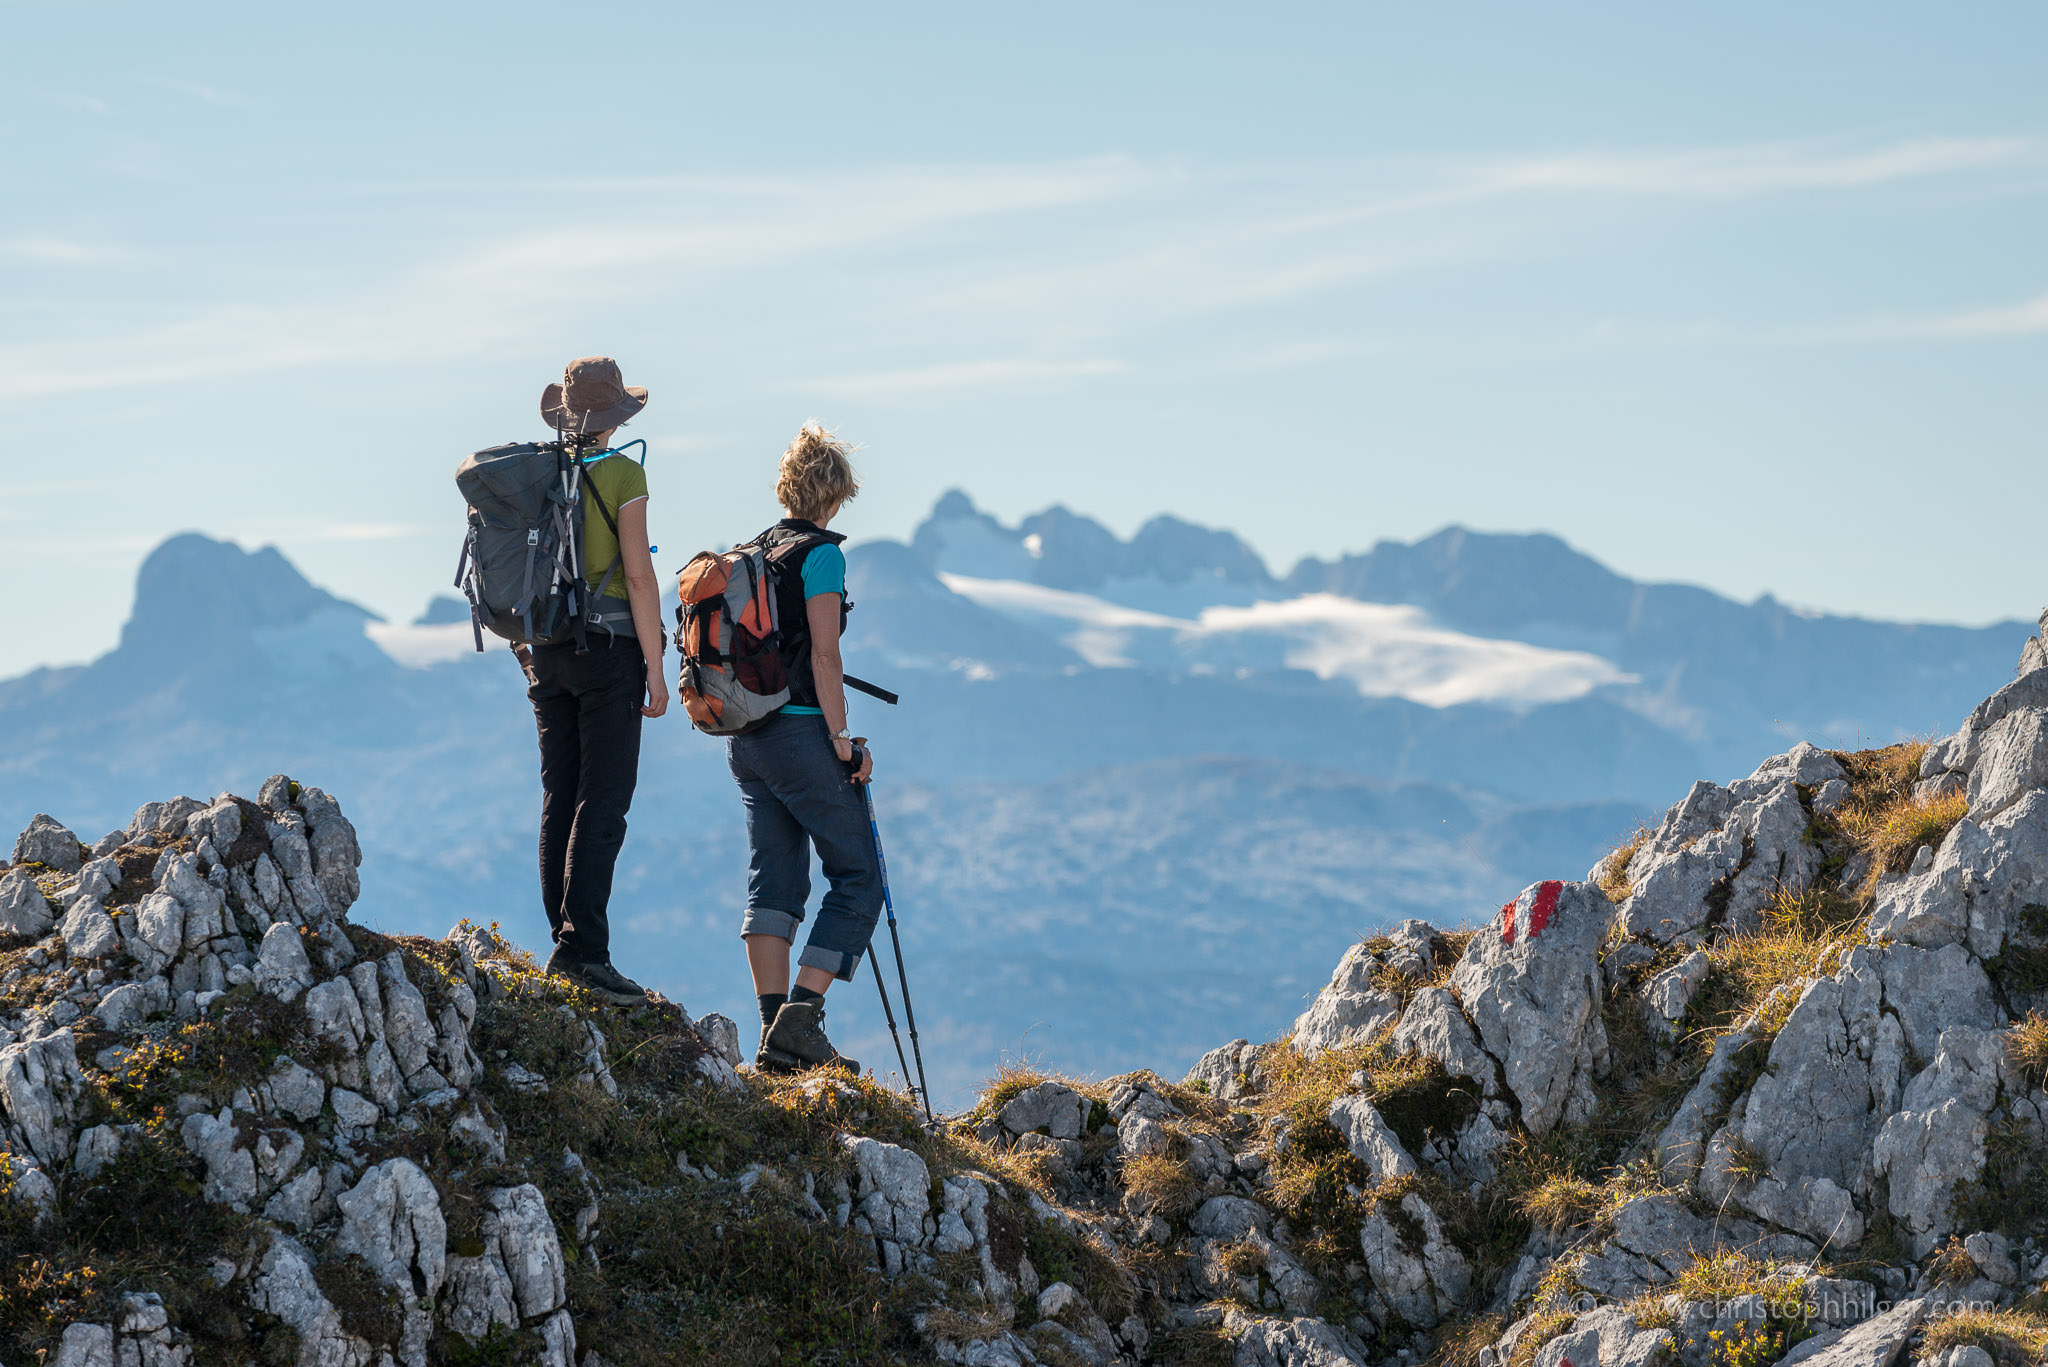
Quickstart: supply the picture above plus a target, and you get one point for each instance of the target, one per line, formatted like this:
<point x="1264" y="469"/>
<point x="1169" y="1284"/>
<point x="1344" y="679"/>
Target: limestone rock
<point x="23" y="910"/>
<point x="1422" y="1282"/>
<point x="132" y="1003"/>
<point x="891" y="1190"/>
<point x="1936" y="1139"/>
<point x="392" y="1218"/>
<point x="1723" y="853"/>
<point x="1371" y="1140"/>
<point x="169" y="816"/>
<point x="1227" y="1072"/>
<point x="295" y="1091"/>
<point x="1834" y="1072"/>
<point x="49" y="842"/>
<point x="723" y="1035"/>
<point x="2010" y="760"/>
<point x="97" y="1147"/>
<point x="334" y="849"/>
<point x="1229" y="1217"/>
<point x="85" y="1345"/>
<point x="89" y="933"/>
<point x="1303" y="1342"/>
<point x="1140" y="1135"/>
<point x="1531" y="985"/>
<point x="28" y="1184"/>
<point x="1992" y="1253"/>
<point x="1434" y="1025"/>
<point x="282" y="968"/>
<point x="1667" y="996"/>
<point x="1050" y="1108"/>
<point x="518" y="1228"/>
<point x="1349" y="1010"/>
<point x="284" y="1286"/>
<point x="1876" y="1342"/>
<point x="230" y="1168"/>
<point x="1976" y="884"/>
<point x="41" y="1092"/>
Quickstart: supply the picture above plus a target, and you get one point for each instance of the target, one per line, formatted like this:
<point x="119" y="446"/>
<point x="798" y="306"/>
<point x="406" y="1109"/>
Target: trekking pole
<point x="890" y="1016"/>
<point x="923" y="1090"/>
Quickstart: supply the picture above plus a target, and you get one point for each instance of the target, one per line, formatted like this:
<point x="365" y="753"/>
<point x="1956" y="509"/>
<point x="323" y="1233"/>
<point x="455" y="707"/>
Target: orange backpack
<point x="729" y="631"/>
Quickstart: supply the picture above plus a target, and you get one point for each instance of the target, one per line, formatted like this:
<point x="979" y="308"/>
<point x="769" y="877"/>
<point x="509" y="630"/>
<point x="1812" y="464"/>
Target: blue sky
<point x="1754" y="297"/>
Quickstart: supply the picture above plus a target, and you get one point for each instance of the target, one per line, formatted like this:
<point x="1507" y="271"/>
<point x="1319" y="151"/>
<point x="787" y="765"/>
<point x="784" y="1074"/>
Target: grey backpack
<point x="522" y="560"/>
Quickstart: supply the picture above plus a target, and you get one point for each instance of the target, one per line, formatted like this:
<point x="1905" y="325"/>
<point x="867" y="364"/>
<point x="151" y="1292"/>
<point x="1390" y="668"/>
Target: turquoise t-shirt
<point x="824" y="572"/>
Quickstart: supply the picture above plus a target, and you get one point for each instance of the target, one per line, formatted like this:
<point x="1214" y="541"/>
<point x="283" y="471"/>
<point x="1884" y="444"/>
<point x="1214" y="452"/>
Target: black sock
<point x="771" y="1002"/>
<point x="804" y="994"/>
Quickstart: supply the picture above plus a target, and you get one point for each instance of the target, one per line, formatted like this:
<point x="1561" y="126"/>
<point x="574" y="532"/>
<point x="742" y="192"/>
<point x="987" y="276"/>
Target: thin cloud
<point x="2015" y="320"/>
<point x="206" y="94"/>
<point x="1013" y="262"/>
<point x="366" y="531"/>
<point x="1735" y="172"/>
<point x="958" y="376"/>
<point x="63" y="251"/>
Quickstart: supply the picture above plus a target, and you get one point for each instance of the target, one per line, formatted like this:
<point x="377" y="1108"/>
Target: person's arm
<point x="637" y="563"/>
<point x="822" y="611"/>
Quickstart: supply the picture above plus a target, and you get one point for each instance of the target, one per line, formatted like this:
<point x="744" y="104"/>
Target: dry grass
<point x="964" y="1325"/>
<point x="2012" y="1337"/>
<point x="1951" y="1264"/>
<point x="1562" y="1202"/>
<point x="1881" y="817"/>
<point x="1801" y="937"/>
<point x="1726" y="1274"/>
<point x="1546" y="1326"/>
<point x="1162" y="1184"/>
<point x="2026" y="1048"/>
<point x="1322" y="1189"/>
<point x="1462" y="1342"/>
<point x="1612" y="875"/>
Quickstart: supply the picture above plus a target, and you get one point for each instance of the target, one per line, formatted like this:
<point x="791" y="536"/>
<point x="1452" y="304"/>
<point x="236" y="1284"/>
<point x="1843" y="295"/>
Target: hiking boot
<point x="797" y="1040"/>
<point x="597" y="976"/>
<point x="767" y="1060"/>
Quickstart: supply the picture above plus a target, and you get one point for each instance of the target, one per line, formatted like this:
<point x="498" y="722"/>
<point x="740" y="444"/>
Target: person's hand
<point x="867" y="760"/>
<point x="657" y="691"/>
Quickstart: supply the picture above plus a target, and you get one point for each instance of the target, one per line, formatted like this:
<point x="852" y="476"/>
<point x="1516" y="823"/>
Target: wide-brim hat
<point x="591" y="397"/>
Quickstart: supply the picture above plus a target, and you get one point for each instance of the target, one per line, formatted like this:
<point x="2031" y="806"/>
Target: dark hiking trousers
<point x="588" y="710"/>
<point x="797" y="796"/>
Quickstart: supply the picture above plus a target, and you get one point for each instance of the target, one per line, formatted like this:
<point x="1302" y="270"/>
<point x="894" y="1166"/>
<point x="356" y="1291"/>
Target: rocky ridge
<point x="1766" y="1086"/>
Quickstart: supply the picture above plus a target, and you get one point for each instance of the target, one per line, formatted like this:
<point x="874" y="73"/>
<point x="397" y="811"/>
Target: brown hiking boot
<point x="797" y="1041"/>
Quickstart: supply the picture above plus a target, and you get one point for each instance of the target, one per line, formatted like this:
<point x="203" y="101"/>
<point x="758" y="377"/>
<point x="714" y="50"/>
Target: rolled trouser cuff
<point x="836" y="962"/>
<point x="768" y="921"/>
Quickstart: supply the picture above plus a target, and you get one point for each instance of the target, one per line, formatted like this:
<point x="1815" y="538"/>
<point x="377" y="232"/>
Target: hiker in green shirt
<point x="589" y="704"/>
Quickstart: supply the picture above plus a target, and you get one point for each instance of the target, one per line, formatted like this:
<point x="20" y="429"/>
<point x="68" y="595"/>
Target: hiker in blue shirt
<point x="797" y="777"/>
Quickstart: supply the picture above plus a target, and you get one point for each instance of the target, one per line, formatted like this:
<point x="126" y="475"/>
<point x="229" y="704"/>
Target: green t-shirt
<point x="620" y="480"/>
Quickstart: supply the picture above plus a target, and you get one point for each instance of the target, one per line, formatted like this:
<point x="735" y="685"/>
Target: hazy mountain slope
<point x="1064" y="837"/>
<point x="1729" y="679"/>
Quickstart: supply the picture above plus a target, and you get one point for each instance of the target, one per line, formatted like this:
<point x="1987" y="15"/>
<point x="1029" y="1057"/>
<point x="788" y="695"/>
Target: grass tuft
<point x="1562" y="1202"/>
<point x="2026" y="1048"/>
<point x="1951" y="1265"/>
<point x="1881" y="817"/>
<point x="2014" y="1338"/>
<point x="1612" y="874"/>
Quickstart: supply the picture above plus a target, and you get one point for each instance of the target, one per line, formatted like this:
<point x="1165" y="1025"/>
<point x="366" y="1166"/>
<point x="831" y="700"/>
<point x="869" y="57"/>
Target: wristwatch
<point x="844" y="735"/>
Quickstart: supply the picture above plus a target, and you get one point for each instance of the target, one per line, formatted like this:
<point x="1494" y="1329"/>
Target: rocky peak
<point x="1769" y="1085"/>
<point x="1063" y="549"/>
<point x="194" y="588"/>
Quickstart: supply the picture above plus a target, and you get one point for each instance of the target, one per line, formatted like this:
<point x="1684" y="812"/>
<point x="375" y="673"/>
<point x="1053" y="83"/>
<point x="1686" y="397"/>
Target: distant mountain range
<point x="1122" y="768"/>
